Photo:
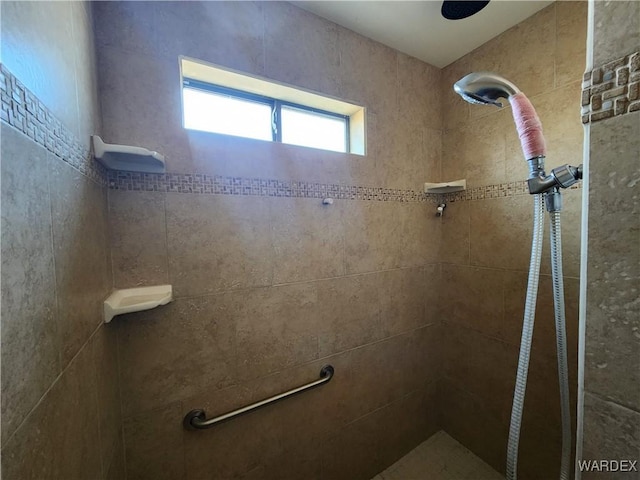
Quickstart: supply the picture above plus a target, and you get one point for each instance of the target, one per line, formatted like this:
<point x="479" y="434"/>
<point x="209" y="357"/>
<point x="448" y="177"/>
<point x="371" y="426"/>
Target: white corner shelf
<point x="136" y="300"/>
<point x="127" y="158"/>
<point x="446" y="187"/>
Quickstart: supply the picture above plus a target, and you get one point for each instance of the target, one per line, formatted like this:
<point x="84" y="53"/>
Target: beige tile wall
<point x="612" y="363"/>
<point x="486" y="243"/>
<point x="60" y="395"/>
<point x="270" y="289"/>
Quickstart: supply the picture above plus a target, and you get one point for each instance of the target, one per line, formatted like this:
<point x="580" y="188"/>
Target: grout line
<point x="404" y="396"/>
<point x="122" y="435"/>
<point x="545" y="355"/>
<point x="499" y="269"/>
<point x="288" y="368"/>
<point x="54" y="270"/>
<point x="303" y="282"/>
<point x="602" y="398"/>
<point x="101" y="446"/>
<point x="53" y="383"/>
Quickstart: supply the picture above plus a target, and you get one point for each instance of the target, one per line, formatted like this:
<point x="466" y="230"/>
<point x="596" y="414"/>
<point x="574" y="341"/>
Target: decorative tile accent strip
<point x="219" y="185"/>
<point x="21" y="109"/>
<point x="611" y="89"/>
<point x="500" y="190"/>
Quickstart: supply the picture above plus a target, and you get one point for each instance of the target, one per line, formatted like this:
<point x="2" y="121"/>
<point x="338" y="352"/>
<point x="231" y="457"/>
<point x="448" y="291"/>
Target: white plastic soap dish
<point x="446" y="187"/>
<point x="136" y="300"/>
<point x="124" y="157"/>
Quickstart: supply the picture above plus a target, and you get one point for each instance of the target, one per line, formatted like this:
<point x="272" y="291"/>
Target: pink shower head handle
<point x="528" y="126"/>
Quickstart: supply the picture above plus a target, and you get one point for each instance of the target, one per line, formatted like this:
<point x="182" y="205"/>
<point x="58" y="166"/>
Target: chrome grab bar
<point x="196" y="419"/>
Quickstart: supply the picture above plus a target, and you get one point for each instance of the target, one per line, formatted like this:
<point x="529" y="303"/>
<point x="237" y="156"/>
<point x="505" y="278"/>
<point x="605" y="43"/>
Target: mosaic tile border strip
<point x="200" y="184"/>
<point x="500" y="190"/>
<point x="490" y="191"/>
<point x="21" y="109"/>
<point x="611" y="89"/>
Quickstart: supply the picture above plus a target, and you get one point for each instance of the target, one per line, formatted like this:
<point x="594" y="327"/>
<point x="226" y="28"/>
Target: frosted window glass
<point x="214" y="112"/>
<point x="310" y="129"/>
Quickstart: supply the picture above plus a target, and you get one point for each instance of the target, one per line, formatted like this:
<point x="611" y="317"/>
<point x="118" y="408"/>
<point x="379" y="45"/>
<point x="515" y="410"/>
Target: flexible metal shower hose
<point x="527" y="336"/>
<point x="561" y="343"/>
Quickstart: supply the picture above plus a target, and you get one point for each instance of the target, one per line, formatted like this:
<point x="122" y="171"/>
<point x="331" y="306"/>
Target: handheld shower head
<point x="485" y="88"/>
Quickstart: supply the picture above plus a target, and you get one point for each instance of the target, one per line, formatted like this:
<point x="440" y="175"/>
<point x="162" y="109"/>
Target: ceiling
<point x="418" y="29"/>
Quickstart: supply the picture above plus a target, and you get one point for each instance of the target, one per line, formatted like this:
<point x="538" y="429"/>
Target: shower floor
<point x="439" y="458"/>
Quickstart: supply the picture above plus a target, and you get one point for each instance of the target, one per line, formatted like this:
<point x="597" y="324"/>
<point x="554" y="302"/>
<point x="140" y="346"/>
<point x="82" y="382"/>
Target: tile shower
<point x="419" y="315"/>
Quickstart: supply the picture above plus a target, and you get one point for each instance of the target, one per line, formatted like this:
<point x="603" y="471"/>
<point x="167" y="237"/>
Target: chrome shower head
<point x="484" y="88"/>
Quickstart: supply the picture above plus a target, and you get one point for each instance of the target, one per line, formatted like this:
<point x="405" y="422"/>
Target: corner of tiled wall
<point x="60" y="394"/>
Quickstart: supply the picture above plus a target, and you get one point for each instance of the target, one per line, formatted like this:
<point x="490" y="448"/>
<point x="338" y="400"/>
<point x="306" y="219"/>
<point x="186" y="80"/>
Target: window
<point x="221" y="101"/>
<point x="214" y="110"/>
<point x="302" y="126"/>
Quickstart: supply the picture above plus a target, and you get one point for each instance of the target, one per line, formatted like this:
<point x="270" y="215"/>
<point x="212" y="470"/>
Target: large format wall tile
<point x="154" y="445"/>
<point x="218" y="243"/>
<point x="476" y="150"/>
<point x="617" y="30"/>
<point x="402" y="301"/>
<point x="131" y="26"/>
<point x="30" y="337"/>
<point x="81" y="251"/>
<point x="301" y="49"/>
<point x="420" y="100"/>
<point x="465" y="418"/>
<point x="371" y="236"/>
<point x="42" y="56"/>
<point x="477" y="370"/>
<point x="400" y="158"/>
<point x="308" y="239"/>
<point x="138" y="238"/>
<point x="501" y="232"/>
<point x="64" y="422"/>
<point x="611" y="432"/>
<point x="571" y="41"/>
<point x="88" y="104"/>
<point x="455" y="226"/>
<point x="223" y="33"/>
<point x="613" y="346"/>
<point x="374" y="88"/>
<point x="349" y="312"/>
<point x="105" y="360"/>
<point x="301" y="462"/>
<point x="455" y="110"/>
<point x="172" y="352"/>
<point x="533" y="40"/>
<point x="365" y="447"/>
<point x="474" y="298"/>
<point x="420" y="234"/>
<point x="277" y="327"/>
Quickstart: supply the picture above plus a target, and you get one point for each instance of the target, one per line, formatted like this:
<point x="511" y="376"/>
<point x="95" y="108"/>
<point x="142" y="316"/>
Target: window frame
<point x="276" y="109"/>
